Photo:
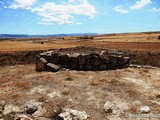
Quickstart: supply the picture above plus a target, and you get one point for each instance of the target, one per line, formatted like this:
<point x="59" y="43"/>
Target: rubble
<point x="102" y="60"/>
<point x="108" y="107"/>
<point x="144" y="110"/>
<point x="71" y="114"/>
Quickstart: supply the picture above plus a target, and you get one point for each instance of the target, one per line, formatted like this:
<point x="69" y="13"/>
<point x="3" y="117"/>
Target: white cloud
<point x="72" y="1"/>
<point x="23" y="4"/>
<point x="52" y="13"/>
<point x="140" y="4"/>
<point x="155" y="9"/>
<point x="120" y="10"/>
<point x="63" y="13"/>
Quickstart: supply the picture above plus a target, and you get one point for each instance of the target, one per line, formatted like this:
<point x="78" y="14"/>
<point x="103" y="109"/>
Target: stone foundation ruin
<point x="93" y="60"/>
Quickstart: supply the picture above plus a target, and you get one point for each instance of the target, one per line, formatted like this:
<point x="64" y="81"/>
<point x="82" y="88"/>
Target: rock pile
<point x="104" y="60"/>
<point x="33" y="110"/>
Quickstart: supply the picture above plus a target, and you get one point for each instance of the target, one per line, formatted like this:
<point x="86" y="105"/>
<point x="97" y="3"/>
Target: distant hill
<point x="42" y="36"/>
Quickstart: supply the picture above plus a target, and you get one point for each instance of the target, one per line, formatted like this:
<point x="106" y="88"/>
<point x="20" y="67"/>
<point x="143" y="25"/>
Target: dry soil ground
<point x="128" y="88"/>
<point x="130" y="41"/>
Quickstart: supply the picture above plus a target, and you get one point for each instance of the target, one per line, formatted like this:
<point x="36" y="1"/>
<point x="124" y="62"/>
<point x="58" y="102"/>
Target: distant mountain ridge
<point x="8" y="36"/>
<point x="42" y="36"/>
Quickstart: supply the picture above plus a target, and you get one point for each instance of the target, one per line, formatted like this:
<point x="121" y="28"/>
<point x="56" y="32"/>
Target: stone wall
<point x="103" y="60"/>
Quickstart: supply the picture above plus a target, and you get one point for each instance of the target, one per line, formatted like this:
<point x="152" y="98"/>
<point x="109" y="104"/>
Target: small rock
<point x="23" y="117"/>
<point x="38" y="90"/>
<point x="41" y="64"/>
<point x="54" y="94"/>
<point x="30" y="108"/>
<point x="108" y="107"/>
<point x="52" y="67"/>
<point x="70" y="114"/>
<point x="82" y="61"/>
<point x="113" y="60"/>
<point x="95" y="60"/>
<point x="88" y="67"/>
<point x="2" y="103"/>
<point x="40" y="112"/>
<point x="11" y="109"/>
<point x="104" y="55"/>
<point x="144" y="110"/>
<point x="126" y="61"/>
<point x="10" y="116"/>
<point x="102" y="67"/>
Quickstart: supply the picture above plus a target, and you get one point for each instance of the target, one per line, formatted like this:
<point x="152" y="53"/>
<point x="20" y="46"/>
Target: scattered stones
<point x="108" y="107"/>
<point x="113" y="60"/>
<point x="113" y="109"/>
<point x="2" y="104"/>
<point x="71" y="114"/>
<point x="38" y="90"/>
<point x="104" y="55"/>
<point x="30" y="108"/>
<point x="142" y="66"/>
<point x="40" y="112"/>
<point x="10" y="116"/>
<point x="41" y="64"/>
<point x="52" y="67"/>
<point x="144" y="110"/>
<point x="11" y="109"/>
<point x="54" y="94"/>
<point x="104" y="60"/>
<point x="22" y="117"/>
<point x="33" y="109"/>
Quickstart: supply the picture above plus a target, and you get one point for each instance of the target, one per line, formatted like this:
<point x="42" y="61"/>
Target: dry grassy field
<point x="130" y="41"/>
<point x="126" y="90"/>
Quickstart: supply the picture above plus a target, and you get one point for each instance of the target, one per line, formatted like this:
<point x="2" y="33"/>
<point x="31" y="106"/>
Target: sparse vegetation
<point x="41" y="99"/>
<point x="98" y="82"/>
<point x="69" y="78"/>
<point x="80" y="94"/>
<point x="65" y="92"/>
<point x="143" y="48"/>
<point x="133" y="109"/>
<point x="88" y="90"/>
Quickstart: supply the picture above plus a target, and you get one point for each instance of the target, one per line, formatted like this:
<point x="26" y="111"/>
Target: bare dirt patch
<point x="87" y="91"/>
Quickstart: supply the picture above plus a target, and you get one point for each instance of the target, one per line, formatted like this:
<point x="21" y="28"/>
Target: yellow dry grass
<point x="147" y="41"/>
<point x="139" y="37"/>
<point x="23" y="46"/>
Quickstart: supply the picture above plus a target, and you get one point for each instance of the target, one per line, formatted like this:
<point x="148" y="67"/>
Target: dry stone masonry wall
<point x="94" y="61"/>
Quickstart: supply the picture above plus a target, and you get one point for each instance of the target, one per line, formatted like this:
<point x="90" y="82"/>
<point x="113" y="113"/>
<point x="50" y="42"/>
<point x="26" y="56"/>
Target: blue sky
<point x="78" y="16"/>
